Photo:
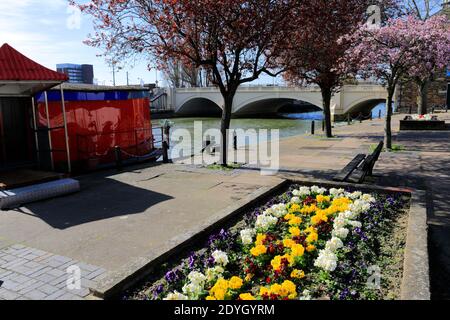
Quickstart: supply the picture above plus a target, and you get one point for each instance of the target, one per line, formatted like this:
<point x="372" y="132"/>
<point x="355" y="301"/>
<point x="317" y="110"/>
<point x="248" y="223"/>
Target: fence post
<point x="323" y="125"/>
<point x="379" y="114"/>
<point x="348" y="118"/>
<point x="235" y="141"/>
<point x="166" y="143"/>
<point x="118" y="153"/>
<point x="313" y="125"/>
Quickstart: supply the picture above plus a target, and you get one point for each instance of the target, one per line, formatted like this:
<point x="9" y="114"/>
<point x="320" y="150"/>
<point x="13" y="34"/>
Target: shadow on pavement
<point x="100" y="198"/>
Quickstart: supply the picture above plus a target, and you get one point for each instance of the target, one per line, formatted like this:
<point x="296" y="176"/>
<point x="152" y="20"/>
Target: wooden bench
<point x="360" y="167"/>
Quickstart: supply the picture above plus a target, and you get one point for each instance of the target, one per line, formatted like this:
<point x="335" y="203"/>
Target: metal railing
<point x="99" y="147"/>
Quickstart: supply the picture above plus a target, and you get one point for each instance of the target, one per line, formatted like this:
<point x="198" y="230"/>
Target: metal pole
<point x="50" y="145"/>
<point x="313" y="127"/>
<point x="35" y="131"/>
<point x="66" y="133"/>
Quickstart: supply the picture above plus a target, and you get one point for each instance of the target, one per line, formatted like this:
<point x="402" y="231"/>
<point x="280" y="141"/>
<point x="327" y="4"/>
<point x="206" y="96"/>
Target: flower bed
<point x="425" y="117"/>
<point x="309" y="243"/>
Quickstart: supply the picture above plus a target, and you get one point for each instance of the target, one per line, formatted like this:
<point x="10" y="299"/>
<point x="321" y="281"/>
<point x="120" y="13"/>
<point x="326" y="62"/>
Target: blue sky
<point x="50" y="32"/>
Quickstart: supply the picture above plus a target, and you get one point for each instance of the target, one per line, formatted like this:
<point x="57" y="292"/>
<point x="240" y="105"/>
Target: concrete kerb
<point x="416" y="269"/>
<point x="415" y="282"/>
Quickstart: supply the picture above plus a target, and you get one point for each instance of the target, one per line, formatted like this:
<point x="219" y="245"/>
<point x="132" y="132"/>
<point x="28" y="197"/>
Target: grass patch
<point x="395" y="148"/>
<point x="228" y="167"/>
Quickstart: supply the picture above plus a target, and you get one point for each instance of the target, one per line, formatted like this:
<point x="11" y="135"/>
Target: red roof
<point x="14" y="66"/>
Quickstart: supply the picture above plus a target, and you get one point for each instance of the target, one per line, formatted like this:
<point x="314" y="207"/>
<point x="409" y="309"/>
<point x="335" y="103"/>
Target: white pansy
<point x="341" y="233"/>
<point x="220" y="257"/>
<point x="193" y="290"/>
<point x="265" y="221"/>
<point x="279" y="210"/>
<point x="196" y="277"/>
<point x="213" y="273"/>
<point x="350" y="215"/>
<point x="306" y="295"/>
<point x="334" y="244"/>
<point x="318" y="190"/>
<point x="355" y="195"/>
<point x="247" y="236"/>
<point x="339" y="222"/>
<point x="336" y="193"/>
<point x="368" y="198"/>
<point x="296" y="200"/>
<point x="326" y="260"/>
<point x="303" y="191"/>
<point x="359" y="206"/>
<point x="176" y="296"/>
<point x="355" y="224"/>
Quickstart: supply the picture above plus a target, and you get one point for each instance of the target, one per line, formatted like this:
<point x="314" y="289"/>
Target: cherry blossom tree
<point x="430" y="57"/>
<point x="234" y="41"/>
<point x="320" y="40"/>
<point x="395" y="51"/>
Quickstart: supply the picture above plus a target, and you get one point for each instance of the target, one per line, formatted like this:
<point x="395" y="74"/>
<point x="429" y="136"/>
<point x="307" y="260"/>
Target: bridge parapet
<point x="268" y="99"/>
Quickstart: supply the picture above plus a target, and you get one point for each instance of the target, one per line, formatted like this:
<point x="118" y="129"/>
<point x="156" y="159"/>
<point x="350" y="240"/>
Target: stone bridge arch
<point x="268" y="104"/>
<point x="200" y="106"/>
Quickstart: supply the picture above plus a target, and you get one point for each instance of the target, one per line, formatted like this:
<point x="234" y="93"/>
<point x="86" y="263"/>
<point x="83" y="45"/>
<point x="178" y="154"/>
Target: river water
<point x="288" y="125"/>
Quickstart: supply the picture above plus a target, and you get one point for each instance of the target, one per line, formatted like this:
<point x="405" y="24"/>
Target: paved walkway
<point x="31" y="274"/>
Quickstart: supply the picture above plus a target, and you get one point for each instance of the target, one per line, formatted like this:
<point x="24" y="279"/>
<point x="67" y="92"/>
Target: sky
<point x="52" y="32"/>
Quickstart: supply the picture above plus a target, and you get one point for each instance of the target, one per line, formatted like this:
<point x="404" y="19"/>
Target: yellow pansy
<point x="235" y="283"/>
<point x="310" y="248"/>
<point x="310" y="230"/>
<point x="322" y="199"/>
<point x="219" y="290"/>
<point x="263" y="291"/>
<point x="295" y="221"/>
<point x="246" y="296"/>
<point x="297" y="250"/>
<point x="260" y="238"/>
<point x="288" y="288"/>
<point x="276" y="289"/>
<point x="319" y="217"/>
<point x="289" y="216"/>
<point x="248" y="277"/>
<point x="312" y="237"/>
<point x="288" y="243"/>
<point x="210" y="298"/>
<point x="294" y="208"/>
<point x="258" y="250"/>
<point x="297" y="274"/>
<point x="308" y="209"/>
<point x="294" y="231"/>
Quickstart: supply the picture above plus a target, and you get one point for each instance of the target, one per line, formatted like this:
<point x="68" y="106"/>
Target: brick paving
<point x="33" y="274"/>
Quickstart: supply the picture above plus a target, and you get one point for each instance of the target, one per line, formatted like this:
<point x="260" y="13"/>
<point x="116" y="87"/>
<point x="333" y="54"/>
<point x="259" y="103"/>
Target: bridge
<point x="252" y="100"/>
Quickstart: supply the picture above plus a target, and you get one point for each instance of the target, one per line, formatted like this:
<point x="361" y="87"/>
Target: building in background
<point x="77" y="73"/>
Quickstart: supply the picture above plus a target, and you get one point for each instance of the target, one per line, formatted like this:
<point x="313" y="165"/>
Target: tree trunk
<point x="387" y="128"/>
<point x="326" y="97"/>
<point x="422" y="98"/>
<point x="224" y="126"/>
